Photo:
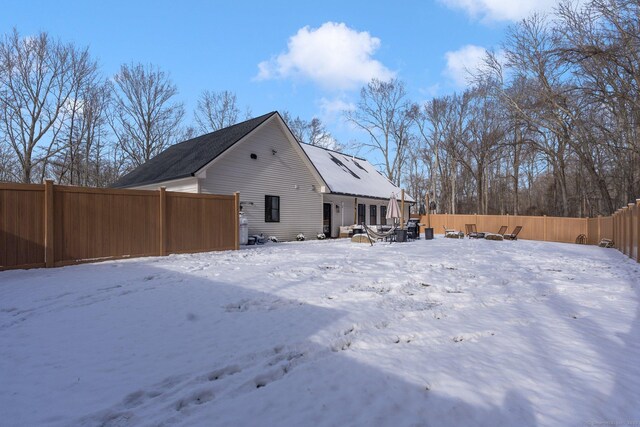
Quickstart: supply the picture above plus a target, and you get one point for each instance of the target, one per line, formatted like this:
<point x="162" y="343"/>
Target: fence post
<point x="628" y="225"/>
<point x="630" y="231"/>
<point x="616" y="237"/>
<point x="638" y="231"/>
<point x="614" y="225"/>
<point x="163" y="222"/>
<point x="48" y="224"/>
<point x="620" y="221"/>
<point x="599" y="229"/>
<point x="623" y="229"/>
<point x="544" y="228"/>
<point x="236" y="219"/>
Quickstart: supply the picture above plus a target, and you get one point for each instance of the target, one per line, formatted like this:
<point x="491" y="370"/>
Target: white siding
<point x="186" y="185"/>
<point x="347" y="213"/>
<point x="283" y="174"/>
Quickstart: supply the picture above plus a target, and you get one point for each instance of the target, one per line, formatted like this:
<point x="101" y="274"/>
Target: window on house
<point x="373" y="214"/>
<point x="383" y="215"/>
<point x="362" y="209"/>
<point x="271" y="208"/>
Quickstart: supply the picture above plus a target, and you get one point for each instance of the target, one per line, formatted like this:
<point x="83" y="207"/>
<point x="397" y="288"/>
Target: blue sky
<point x="219" y="45"/>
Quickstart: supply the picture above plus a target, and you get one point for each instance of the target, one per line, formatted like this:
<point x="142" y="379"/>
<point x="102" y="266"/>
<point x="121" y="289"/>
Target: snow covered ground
<point x="442" y="332"/>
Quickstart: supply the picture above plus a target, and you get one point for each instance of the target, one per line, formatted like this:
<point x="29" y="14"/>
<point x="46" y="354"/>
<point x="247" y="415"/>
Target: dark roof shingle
<point x="186" y="158"/>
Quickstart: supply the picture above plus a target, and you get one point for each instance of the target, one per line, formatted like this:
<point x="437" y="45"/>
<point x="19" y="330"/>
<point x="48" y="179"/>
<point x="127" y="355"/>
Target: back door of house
<point x="326" y="219"/>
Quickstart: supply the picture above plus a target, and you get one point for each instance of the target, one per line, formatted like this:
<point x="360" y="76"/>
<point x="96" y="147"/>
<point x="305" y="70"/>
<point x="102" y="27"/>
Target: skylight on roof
<point x="342" y="165"/>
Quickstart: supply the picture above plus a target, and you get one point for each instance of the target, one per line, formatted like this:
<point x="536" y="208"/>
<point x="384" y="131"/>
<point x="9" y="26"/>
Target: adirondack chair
<point x="449" y="232"/>
<point x="514" y="235"/>
<point x="472" y="232"/>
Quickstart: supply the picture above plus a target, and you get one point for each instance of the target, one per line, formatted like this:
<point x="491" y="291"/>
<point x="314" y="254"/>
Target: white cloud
<point x="501" y="10"/>
<point x="334" y="56"/>
<point x="333" y="106"/>
<point x="462" y="62"/>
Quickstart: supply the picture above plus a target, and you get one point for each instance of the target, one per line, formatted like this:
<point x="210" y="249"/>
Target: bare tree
<point x="383" y="114"/>
<point x="145" y="118"/>
<point x="216" y="110"/>
<point x="38" y="76"/>
<point x="481" y="142"/>
<point x="313" y="132"/>
<point x="8" y="168"/>
<point x="84" y="139"/>
<point x="602" y="44"/>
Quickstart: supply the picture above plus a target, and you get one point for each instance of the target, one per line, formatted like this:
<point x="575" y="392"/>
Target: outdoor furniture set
<point x="472" y="232"/>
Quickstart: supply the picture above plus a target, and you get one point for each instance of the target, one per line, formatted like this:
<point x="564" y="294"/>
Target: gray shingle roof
<point x="186" y="158"/>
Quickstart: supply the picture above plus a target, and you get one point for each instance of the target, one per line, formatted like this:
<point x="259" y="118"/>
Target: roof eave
<point x="367" y="196"/>
<point x="154" y="181"/>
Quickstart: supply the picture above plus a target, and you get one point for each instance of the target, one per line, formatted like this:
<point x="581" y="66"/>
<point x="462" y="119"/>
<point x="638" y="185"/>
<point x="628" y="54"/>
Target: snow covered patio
<point x="442" y="332"/>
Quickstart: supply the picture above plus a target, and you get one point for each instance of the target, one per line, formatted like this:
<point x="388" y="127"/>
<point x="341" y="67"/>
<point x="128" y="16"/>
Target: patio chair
<point x="448" y="230"/>
<point x="606" y="243"/>
<point x="514" y="235"/>
<point x="472" y="232"/>
<point x="502" y="230"/>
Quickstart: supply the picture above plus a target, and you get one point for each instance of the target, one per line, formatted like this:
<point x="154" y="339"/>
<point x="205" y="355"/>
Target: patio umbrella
<point x="393" y="210"/>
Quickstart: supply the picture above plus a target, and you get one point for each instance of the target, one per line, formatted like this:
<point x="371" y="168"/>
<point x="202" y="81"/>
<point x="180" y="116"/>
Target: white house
<point x="285" y="187"/>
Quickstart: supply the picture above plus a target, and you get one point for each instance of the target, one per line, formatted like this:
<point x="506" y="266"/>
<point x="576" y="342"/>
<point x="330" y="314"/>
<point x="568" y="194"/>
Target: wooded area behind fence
<point x="54" y="225"/>
<point x="623" y="227"/>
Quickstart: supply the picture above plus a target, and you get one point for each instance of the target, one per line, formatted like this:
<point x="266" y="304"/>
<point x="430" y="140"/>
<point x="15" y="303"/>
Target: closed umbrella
<point x="393" y="210"/>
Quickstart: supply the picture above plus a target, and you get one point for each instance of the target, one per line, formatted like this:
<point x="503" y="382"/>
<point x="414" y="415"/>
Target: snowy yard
<point x="442" y="332"/>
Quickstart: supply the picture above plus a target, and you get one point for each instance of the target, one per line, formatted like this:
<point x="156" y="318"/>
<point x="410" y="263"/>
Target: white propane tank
<point x="244" y="229"/>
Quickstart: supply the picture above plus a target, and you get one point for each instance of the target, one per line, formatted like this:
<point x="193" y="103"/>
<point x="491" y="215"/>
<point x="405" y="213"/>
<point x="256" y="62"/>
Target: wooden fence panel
<point x="624" y="228"/>
<point x="458" y="221"/>
<point x="436" y="221"/>
<point x="53" y="225"/>
<point x="533" y="228"/>
<point x="490" y="223"/>
<point x="637" y="235"/>
<point x="634" y="231"/>
<point x="552" y="229"/>
<point x="21" y="226"/>
<point x="96" y="223"/>
<point x="606" y="228"/>
<point x="593" y="230"/>
<point x="565" y="230"/>
<point x="198" y="223"/>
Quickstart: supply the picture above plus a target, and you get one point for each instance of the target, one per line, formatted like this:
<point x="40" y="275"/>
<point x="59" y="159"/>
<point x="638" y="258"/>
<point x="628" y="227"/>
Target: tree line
<point x="549" y="125"/>
<point x="61" y="118"/>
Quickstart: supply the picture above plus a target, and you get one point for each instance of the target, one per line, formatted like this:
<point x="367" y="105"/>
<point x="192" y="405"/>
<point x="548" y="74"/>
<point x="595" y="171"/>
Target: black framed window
<point x="373" y="214"/>
<point x="383" y="215"/>
<point x="271" y="208"/>
<point x="362" y="209"/>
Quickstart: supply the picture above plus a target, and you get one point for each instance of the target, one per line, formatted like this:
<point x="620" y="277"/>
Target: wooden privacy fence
<point x="545" y="228"/>
<point x="46" y="225"/>
<point x="623" y="227"/>
<point x="626" y="230"/>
